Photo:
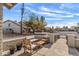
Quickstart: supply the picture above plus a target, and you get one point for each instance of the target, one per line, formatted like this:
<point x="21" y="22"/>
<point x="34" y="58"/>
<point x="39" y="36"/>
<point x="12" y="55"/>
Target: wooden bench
<point x="42" y="42"/>
<point x="28" y="46"/>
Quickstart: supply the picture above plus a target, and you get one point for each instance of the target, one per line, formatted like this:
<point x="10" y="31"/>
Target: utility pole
<point x="22" y="12"/>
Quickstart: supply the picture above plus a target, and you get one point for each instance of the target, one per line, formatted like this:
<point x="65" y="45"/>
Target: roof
<point x="14" y="23"/>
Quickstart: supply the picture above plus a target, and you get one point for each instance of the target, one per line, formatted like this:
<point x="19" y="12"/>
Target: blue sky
<point x="56" y="14"/>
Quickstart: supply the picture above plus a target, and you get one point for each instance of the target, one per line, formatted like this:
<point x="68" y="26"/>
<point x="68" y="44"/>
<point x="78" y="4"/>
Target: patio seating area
<point x="30" y="43"/>
<point x="33" y="45"/>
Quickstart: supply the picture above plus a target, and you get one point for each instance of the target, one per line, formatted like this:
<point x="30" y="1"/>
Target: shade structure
<point x="9" y="5"/>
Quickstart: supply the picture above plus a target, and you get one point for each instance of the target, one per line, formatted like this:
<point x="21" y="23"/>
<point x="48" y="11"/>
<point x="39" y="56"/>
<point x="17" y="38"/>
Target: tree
<point x="43" y="22"/>
<point x="35" y="23"/>
<point x="30" y="22"/>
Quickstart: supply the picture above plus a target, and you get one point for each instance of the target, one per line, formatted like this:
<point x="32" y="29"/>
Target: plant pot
<point x="12" y="51"/>
<point x="19" y="47"/>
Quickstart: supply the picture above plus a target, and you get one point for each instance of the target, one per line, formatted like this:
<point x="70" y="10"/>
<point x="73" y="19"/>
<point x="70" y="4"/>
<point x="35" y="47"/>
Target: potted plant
<point x="12" y="49"/>
<point x="19" y="46"/>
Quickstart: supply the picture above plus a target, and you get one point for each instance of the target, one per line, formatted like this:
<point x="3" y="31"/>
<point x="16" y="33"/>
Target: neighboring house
<point x="12" y="27"/>
<point x="48" y="29"/>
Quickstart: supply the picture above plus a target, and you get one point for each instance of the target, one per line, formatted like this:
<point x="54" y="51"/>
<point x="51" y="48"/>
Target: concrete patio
<point x="57" y="49"/>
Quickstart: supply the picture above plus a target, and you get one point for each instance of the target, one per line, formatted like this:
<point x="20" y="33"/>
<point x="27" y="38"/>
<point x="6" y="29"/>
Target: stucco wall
<point x="7" y="44"/>
<point x="51" y="37"/>
<point x="71" y="40"/>
<point x="77" y="43"/>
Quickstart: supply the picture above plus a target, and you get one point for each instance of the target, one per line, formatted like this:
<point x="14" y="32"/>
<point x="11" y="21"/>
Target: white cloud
<point x="66" y="16"/>
<point x="55" y="25"/>
<point x="53" y="11"/>
<point x="77" y="14"/>
<point x="28" y="8"/>
<point x="44" y="8"/>
<point x="62" y="24"/>
<point x="67" y="5"/>
<point x="54" y="18"/>
<point x="40" y="12"/>
<point x="52" y="14"/>
<point x="47" y="12"/>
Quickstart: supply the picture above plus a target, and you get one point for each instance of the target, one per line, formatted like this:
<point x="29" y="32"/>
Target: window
<point x="9" y="24"/>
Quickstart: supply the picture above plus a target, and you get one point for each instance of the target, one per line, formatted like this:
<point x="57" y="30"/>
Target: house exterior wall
<point x="12" y="26"/>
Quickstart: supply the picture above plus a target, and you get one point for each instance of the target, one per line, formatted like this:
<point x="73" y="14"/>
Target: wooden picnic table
<point x="33" y="40"/>
<point x="40" y="42"/>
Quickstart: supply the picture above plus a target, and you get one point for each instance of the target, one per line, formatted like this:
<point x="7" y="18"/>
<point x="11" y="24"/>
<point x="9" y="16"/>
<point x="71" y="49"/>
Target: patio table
<point x="40" y="42"/>
<point x="32" y="40"/>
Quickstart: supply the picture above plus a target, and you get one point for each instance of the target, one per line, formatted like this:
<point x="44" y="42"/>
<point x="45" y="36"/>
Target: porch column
<point x="1" y="34"/>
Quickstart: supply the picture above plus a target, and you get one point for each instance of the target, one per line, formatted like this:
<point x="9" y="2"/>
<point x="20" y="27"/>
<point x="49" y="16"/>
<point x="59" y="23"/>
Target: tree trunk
<point x="33" y="31"/>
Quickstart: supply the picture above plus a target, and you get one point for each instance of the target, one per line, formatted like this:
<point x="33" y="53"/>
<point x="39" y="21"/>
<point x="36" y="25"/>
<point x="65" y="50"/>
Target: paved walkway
<point x="57" y="49"/>
<point x="73" y="52"/>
